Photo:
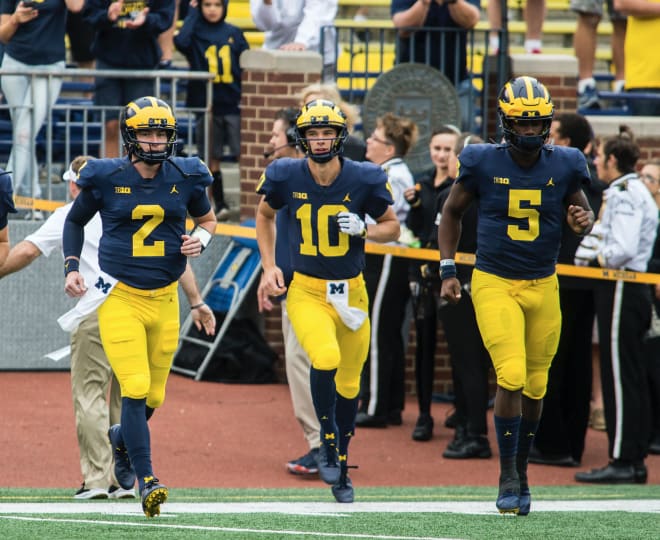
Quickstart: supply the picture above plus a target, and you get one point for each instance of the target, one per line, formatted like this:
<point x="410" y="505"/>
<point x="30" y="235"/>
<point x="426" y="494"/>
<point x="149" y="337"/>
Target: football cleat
<point x="508" y="498"/>
<point x="153" y="495"/>
<point x="525" y="502"/>
<point x="343" y="489"/>
<point x="123" y="469"/>
<point x="329" y="470"/>
<point x="305" y="465"/>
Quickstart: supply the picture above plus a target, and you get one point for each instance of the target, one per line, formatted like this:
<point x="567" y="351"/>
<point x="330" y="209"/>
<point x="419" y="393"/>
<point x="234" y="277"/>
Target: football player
<point x="143" y="199"/>
<point x="325" y="199"/>
<point x="524" y="190"/>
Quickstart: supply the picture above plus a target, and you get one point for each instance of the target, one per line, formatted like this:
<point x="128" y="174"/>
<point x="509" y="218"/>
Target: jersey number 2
<point x="156" y="214"/>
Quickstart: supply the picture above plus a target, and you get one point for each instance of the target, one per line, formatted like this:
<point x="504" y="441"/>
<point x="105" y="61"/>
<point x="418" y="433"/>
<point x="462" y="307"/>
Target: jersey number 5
<point x="516" y="210"/>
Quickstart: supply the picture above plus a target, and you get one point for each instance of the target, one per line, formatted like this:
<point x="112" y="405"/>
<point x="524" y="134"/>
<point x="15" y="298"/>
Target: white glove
<point x="351" y="223"/>
<point x="590" y="247"/>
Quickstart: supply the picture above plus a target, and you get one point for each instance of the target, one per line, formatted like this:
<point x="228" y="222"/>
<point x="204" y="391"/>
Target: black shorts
<point x="81" y="36"/>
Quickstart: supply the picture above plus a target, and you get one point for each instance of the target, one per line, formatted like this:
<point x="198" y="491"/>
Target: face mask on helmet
<point x="321" y="113"/>
<point x="147" y="113"/>
<point x="524" y="99"/>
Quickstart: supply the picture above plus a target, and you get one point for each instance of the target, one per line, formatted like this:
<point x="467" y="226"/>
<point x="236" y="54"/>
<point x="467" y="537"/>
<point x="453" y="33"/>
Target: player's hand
<point x="74" y="284"/>
<point x="203" y="317"/>
<point x="451" y="290"/>
<point x="579" y="219"/>
<point x="273" y="282"/>
<point x="263" y="300"/>
<point x="191" y="246"/>
<point x="351" y="224"/>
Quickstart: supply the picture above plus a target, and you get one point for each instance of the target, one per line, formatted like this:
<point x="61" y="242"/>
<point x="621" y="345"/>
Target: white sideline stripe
<point x="284" y="533"/>
<point x="329" y="508"/>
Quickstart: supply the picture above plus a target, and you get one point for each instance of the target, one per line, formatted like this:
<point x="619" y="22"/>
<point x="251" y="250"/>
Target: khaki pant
<point x="297" y="373"/>
<point x="91" y="380"/>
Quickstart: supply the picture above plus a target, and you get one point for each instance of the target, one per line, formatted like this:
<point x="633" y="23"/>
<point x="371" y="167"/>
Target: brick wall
<point x="272" y="79"/>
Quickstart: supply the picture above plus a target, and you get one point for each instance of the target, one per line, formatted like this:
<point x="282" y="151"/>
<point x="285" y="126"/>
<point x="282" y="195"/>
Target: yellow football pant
<point x="140" y="333"/>
<point x="520" y="322"/>
<point x="328" y="342"/>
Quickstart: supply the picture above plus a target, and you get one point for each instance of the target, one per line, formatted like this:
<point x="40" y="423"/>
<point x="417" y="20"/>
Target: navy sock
<point x="324" y="395"/>
<point x="135" y="433"/>
<point x="507" y="430"/>
<point x="525" y="439"/>
<point x="346" y="411"/>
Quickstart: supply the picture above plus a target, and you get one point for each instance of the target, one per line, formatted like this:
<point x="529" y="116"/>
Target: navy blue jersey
<point x="316" y="247"/>
<point x="143" y="220"/>
<point x="521" y="210"/>
<point x="215" y="48"/>
<point x="41" y="40"/>
<point x="122" y="47"/>
<point x="6" y="198"/>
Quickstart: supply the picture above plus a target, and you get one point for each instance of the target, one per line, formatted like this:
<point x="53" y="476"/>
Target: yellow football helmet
<point x="525" y="99"/>
<point x="147" y="113"/>
<point x="321" y="113"/>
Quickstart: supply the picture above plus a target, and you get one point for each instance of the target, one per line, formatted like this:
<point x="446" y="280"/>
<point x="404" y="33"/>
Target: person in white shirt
<point x="296" y="25"/>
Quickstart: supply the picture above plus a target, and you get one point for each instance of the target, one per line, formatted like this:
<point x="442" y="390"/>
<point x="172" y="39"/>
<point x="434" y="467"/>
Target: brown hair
<point x="624" y="148"/>
<point x="400" y="131"/>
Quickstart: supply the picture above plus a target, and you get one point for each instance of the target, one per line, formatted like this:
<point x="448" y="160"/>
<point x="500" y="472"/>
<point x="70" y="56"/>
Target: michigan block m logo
<point x="337" y="288"/>
<point x="102" y="285"/>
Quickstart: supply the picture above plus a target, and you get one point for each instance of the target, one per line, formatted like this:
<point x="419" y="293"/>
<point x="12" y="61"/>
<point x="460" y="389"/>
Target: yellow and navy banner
<point x="397" y="251"/>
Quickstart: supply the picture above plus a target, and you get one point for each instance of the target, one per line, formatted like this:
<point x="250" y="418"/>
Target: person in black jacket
<point x="126" y="38"/>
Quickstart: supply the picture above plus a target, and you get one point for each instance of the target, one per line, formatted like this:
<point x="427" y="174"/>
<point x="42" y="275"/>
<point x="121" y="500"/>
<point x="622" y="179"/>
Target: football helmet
<point x="524" y="99"/>
<point x="321" y="113"/>
<point x="147" y="113"/>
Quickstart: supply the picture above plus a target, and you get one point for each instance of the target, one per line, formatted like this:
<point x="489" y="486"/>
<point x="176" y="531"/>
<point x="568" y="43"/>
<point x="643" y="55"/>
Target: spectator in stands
<point x="166" y="39"/>
<point x="534" y="15"/>
<point x="622" y="238"/>
<point x="282" y="144"/>
<point x="354" y="147"/>
<point x="81" y="36"/>
<point x="589" y="14"/>
<point x="213" y="45"/>
<point x="6" y="208"/>
<point x="91" y="376"/>
<point x="382" y="388"/>
<point x="296" y="25"/>
<point x="34" y="39"/>
<point x="642" y="61"/>
<point x="126" y="38"/>
<point x="443" y="50"/>
<point x="563" y="426"/>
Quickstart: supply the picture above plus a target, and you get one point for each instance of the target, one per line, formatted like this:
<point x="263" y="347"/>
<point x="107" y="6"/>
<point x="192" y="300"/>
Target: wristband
<point x="204" y="236"/>
<point x="197" y="305"/>
<point x="447" y="268"/>
<point x="71" y="265"/>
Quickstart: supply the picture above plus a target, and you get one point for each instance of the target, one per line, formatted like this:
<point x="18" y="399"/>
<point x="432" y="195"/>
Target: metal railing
<point x="74" y="125"/>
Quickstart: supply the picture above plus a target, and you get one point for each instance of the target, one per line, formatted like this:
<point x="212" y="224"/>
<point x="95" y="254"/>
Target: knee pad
<point x="537" y="383"/>
<point x="155" y="398"/>
<point x="325" y="358"/>
<point x="511" y="374"/>
<point x="347" y="383"/>
<point x="136" y="386"/>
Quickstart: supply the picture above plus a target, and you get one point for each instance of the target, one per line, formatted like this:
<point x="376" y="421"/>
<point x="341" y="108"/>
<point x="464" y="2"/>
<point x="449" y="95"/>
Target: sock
<point x="346" y="409"/>
<point x="619" y="85"/>
<point x="324" y="396"/>
<point x="149" y="412"/>
<point x="135" y="432"/>
<point x="533" y="45"/>
<point x="583" y="84"/>
<point x="525" y="439"/>
<point x="507" y="430"/>
<point x="218" y="191"/>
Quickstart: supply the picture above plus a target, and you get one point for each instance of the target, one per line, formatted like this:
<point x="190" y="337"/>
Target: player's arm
<point x="73" y="238"/>
<point x="202" y="314"/>
<point x="20" y="256"/>
<point x="386" y="228"/>
<point x="449" y="232"/>
<point x="4" y="243"/>
<point x="273" y="279"/>
<point x="579" y="215"/>
<point x="638" y="8"/>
